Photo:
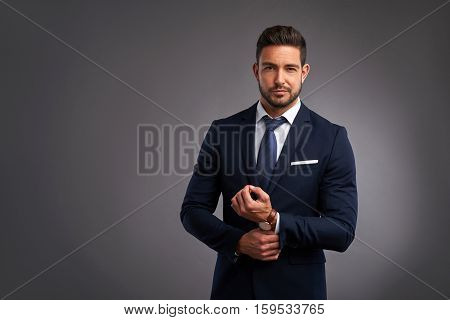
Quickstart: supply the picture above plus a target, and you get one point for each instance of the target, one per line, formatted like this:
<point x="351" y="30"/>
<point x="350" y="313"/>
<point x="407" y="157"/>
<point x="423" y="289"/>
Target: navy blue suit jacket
<point x="317" y="204"/>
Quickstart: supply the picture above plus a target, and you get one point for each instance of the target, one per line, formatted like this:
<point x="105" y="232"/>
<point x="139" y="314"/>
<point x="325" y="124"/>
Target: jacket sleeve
<point x="334" y="228"/>
<point x="201" y="200"/>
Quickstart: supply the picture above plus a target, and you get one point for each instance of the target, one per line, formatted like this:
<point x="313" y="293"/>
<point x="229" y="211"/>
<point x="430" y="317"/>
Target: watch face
<point x="265" y="226"/>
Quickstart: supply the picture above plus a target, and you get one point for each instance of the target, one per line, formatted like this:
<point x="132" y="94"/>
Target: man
<point x="288" y="181"/>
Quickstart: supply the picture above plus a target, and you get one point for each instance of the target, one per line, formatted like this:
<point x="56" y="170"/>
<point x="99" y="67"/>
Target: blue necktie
<point x="267" y="155"/>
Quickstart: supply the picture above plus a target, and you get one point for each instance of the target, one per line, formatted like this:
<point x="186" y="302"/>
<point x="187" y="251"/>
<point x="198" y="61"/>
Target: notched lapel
<point x="247" y="166"/>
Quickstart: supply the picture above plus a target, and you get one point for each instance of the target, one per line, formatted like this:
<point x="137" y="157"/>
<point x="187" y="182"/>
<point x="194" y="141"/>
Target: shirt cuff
<point x="277" y="226"/>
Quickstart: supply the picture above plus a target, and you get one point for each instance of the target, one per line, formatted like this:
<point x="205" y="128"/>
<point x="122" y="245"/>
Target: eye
<point x="268" y="68"/>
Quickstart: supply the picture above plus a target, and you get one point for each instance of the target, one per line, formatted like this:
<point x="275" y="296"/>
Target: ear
<point x="255" y="70"/>
<point x="305" y="71"/>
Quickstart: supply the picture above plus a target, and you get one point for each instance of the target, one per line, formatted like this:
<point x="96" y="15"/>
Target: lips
<point x="279" y="91"/>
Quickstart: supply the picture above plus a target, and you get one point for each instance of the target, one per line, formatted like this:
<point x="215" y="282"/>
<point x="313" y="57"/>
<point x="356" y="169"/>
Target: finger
<point x="267" y="236"/>
<point x="267" y="232"/>
<point x="271" y="257"/>
<point x="235" y="205"/>
<point x="271" y="246"/>
<point x="270" y="253"/>
<point x="247" y="196"/>
<point x="239" y="202"/>
<point x="267" y="239"/>
<point x="262" y="196"/>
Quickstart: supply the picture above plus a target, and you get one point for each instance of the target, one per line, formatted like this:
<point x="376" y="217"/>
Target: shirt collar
<point x="289" y="114"/>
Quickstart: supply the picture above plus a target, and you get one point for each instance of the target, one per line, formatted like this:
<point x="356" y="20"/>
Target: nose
<point x="279" y="78"/>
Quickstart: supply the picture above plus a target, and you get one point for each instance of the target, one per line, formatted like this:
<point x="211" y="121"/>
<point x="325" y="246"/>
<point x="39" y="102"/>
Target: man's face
<point x="280" y="75"/>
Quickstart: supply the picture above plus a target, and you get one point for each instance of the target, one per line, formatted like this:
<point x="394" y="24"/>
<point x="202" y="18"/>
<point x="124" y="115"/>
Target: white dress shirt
<point x="281" y="133"/>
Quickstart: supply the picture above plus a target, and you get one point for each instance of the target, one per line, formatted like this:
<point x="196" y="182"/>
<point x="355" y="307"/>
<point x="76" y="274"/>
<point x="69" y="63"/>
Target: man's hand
<point x="254" y="210"/>
<point x="260" y="245"/>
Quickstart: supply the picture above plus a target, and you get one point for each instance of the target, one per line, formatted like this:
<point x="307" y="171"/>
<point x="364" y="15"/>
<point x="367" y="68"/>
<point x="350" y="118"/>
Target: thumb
<point x="258" y="191"/>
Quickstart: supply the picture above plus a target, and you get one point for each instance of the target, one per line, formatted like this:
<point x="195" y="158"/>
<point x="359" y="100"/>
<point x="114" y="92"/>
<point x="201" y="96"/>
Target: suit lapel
<point x="297" y="136"/>
<point x="247" y="139"/>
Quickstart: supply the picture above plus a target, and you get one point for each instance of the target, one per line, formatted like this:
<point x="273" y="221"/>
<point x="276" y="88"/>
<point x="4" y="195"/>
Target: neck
<point x="273" y="111"/>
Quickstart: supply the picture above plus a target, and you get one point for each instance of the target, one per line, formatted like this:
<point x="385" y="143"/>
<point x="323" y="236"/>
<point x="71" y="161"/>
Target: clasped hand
<point x="254" y="210"/>
<point x="258" y="244"/>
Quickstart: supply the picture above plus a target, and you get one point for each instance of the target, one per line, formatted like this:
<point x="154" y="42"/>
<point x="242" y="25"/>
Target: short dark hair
<point x="281" y="35"/>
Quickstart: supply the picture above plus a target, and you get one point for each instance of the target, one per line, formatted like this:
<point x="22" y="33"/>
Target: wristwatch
<point x="269" y="223"/>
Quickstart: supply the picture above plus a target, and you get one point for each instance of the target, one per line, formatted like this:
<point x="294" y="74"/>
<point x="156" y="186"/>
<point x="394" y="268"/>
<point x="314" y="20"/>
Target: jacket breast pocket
<point x="302" y="256"/>
<point x="303" y="168"/>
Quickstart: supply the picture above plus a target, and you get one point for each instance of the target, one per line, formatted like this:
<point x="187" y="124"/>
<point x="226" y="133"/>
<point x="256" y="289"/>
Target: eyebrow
<point x="274" y="65"/>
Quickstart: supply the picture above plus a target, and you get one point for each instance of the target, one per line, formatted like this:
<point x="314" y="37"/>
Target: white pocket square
<point x="297" y="163"/>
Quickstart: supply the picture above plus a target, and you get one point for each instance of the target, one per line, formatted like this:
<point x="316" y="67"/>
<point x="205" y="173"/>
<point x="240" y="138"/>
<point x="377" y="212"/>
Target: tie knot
<point x="272" y="124"/>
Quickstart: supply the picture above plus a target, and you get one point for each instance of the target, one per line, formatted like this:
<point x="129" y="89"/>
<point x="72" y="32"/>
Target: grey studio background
<point x="69" y="138"/>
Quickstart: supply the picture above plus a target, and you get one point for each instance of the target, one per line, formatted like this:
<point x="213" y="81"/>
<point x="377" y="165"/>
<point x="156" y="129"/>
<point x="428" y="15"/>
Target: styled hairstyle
<point x="281" y="35"/>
